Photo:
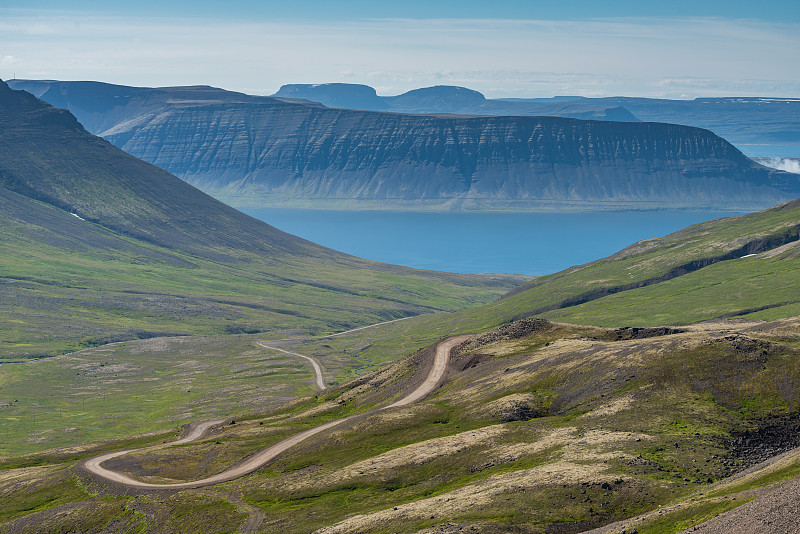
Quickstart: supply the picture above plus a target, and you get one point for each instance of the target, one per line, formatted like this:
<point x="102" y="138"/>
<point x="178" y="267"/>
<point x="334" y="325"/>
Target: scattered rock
<point x="635" y="332"/>
<point x="515" y="330"/>
<point x="770" y="439"/>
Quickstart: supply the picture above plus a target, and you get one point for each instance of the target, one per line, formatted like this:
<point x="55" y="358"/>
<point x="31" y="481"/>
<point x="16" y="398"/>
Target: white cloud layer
<point x="637" y="57"/>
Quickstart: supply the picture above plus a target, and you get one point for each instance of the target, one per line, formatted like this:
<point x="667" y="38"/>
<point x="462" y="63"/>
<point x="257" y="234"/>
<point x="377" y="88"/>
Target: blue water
<point x="525" y="243"/>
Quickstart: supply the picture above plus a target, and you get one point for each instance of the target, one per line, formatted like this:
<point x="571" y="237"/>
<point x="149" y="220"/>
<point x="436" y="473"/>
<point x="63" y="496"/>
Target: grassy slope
<point x="682" y="278"/>
<point x="584" y="371"/>
<point x="564" y="426"/>
<point x="61" y="295"/>
<point x="149" y="255"/>
<point x="681" y="257"/>
<point x="144" y="386"/>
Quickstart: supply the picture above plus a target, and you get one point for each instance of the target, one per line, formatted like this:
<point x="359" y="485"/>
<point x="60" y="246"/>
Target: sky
<point x="503" y="48"/>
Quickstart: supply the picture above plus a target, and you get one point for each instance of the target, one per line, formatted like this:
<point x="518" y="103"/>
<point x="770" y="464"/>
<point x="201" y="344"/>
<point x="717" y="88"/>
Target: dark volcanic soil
<point x="515" y="330"/>
<point x="770" y="439"/>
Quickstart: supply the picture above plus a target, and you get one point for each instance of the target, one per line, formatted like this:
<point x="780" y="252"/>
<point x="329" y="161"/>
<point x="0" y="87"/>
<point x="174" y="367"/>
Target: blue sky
<point x="675" y="49"/>
<point x="776" y="11"/>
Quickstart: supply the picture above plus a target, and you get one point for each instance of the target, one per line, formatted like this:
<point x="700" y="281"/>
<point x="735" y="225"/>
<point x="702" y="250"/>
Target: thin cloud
<point x="502" y="58"/>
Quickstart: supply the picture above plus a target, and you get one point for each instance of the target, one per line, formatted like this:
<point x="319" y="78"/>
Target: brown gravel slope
<point x="776" y="511"/>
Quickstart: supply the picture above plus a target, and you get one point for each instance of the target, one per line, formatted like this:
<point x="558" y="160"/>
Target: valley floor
<point x="536" y="427"/>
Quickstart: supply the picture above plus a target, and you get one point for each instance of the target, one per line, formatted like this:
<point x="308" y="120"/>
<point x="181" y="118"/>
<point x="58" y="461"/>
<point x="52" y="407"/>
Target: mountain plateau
<point x="753" y="124"/>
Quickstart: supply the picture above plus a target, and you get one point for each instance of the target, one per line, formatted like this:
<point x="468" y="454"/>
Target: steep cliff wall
<point x="757" y="125"/>
<point x="256" y="153"/>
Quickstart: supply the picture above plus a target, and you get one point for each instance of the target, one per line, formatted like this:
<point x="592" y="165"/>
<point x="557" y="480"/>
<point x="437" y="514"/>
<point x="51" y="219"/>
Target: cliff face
<point x="760" y="126"/>
<point x="292" y="153"/>
<point x="255" y="151"/>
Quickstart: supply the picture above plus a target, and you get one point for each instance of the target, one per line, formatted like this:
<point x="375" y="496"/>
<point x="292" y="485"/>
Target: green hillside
<point x="747" y="266"/>
<point x="735" y="266"/>
<point x="538" y="427"/>
<point x="98" y="246"/>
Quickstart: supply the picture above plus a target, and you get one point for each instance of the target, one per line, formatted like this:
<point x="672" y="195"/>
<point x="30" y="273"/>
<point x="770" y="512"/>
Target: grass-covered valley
<point x="538" y="427"/>
<point x="629" y="389"/>
<point x="101" y="247"/>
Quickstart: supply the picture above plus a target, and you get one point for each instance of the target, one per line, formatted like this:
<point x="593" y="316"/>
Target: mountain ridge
<point x="251" y="151"/>
<point x="745" y="121"/>
<point x="99" y="246"/>
<point x="447" y="99"/>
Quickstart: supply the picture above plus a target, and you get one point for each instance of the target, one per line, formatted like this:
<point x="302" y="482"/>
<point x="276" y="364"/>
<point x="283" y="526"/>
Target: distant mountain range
<point x="449" y="99"/>
<point x="256" y="151"/>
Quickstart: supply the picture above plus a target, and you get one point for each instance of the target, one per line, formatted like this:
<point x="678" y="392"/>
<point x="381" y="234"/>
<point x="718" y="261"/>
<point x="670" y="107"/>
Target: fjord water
<point x="525" y="243"/>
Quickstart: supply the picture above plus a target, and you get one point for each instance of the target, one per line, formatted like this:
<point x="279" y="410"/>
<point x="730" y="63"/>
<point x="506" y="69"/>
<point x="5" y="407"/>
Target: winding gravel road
<point x="314" y="363"/>
<point x="317" y="369"/>
<point x="365" y="327"/>
<point x="259" y="459"/>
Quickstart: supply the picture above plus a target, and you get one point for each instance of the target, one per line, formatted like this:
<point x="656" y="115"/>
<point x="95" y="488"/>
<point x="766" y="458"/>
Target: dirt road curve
<point x="196" y="431"/>
<point x="257" y="460"/>
<point x="436" y="374"/>
<point x="317" y="369"/>
<point x="365" y="327"/>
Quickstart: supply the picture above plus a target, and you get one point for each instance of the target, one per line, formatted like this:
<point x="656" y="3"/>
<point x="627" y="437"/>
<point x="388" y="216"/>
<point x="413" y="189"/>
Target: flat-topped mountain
<point x="764" y="126"/>
<point x="442" y="98"/>
<point x="98" y="246"/>
<point x="448" y="99"/>
<point x="325" y="156"/>
<point x="336" y="95"/>
<point x="255" y="151"/>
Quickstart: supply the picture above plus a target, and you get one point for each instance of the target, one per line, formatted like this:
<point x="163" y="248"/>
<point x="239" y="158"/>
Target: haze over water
<point x="527" y="243"/>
